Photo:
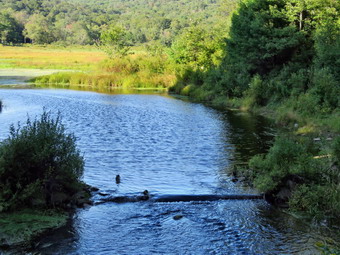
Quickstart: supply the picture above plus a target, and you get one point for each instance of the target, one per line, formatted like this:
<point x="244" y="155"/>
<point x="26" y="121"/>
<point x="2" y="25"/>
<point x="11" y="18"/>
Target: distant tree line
<point x="81" y="22"/>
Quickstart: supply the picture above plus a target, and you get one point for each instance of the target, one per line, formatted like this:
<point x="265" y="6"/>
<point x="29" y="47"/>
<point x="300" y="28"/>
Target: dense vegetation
<point x="282" y="57"/>
<point x="40" y="166"/>
<point x="278" y="57"/>
<point x="81" y="22"/>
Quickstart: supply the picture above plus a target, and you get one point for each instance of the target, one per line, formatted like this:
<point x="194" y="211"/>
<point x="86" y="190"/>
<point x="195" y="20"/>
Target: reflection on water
<point x="167" y="146"/>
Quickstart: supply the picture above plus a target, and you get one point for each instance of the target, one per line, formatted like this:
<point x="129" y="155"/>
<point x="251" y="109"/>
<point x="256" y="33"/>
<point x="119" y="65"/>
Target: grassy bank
<point x="137" y="70"/>
<point x="20" y="228"/>
<point x="40" y="180"/>
<point x="133" y="71"/>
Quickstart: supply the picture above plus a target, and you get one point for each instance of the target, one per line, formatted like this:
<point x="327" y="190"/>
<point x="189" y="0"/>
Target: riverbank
<point x="300" y="170"/>
<point x="132" y="71"/>
<point x="40" y="176"/>
<point x="19" y="229"/>
<point x="88" y="66"/>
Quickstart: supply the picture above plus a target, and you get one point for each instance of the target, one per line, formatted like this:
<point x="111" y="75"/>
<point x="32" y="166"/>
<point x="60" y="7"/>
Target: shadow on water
<point x="251" y="134"/>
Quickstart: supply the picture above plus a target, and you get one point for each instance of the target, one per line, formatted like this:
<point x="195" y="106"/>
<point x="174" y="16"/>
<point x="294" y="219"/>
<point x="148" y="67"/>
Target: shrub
<point x="317" y="200"/>
<point x="318" y="191"/>
<point x="286" y="157"/>
<point x="336" y="150"/>
<point x="37" y="161"/>
<point x="255" y="94"/>
<point x="327" y="89"/>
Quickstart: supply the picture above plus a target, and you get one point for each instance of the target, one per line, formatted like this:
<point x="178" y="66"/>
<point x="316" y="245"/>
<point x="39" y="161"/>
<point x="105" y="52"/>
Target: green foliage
<point x="319" y="194"/>
<point x="317" y="200"/>
<point x="326" y="249"/>
<point x="327" y="89"/>
<point x="256" y="94"/>
<point x="197" y="49"/>
<point x="37" y="161"/>
<point x="260" y="40"/>
<point x="129" y="72"/>
<point x="113" y="41"/>
<point x="20" y="227"/>
<point x="285" y="157"/>
<point x="336" y="150"/>
<point x="39" y="29"/>
<point x="10" y="29"/>
<point x="81" y="22"/>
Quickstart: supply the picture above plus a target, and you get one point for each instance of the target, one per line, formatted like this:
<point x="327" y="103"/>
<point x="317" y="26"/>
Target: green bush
<point x="37" y="161"/>
<point x="327" y="89"/>
<point x="318" y="193"/>
<point x="317" y="200"/>
<point x="336" y="150"/>
<point x="256" y="93"/>
<point x="286" y="157"/>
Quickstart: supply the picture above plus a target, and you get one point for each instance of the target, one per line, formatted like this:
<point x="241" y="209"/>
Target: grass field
<point x="137" y="70"/>
<point x="41" y="57"/>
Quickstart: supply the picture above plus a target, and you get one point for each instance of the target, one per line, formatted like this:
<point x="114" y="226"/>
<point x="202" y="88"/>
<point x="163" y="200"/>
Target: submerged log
<point x="188" y="198"/>
<point x="179" y="198"/>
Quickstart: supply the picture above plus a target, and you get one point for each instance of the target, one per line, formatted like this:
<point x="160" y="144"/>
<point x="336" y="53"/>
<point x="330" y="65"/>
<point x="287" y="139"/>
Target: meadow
<point x="136" y="70"/>
<point x="83" y="58"/>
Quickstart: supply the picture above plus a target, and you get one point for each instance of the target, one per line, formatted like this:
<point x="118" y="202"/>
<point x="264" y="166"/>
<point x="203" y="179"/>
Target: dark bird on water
<point x="117" y="178"/>
<point x="145" y="196"/>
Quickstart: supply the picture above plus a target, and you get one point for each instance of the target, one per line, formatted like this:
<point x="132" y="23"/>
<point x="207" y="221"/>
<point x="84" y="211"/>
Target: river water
<point x="167" y="146"/>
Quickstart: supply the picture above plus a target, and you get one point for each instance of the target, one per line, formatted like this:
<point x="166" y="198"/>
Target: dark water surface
<point x="166" y="146"/>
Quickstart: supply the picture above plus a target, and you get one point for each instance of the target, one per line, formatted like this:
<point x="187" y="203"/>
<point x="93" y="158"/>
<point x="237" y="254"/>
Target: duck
<point x="145" y="196"/>
<point x="117" y="178"/>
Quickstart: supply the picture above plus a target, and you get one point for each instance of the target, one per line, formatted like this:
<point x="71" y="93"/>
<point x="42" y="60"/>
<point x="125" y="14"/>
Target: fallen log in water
<point x="179" y="198"/>
<point x="187" y="198"/>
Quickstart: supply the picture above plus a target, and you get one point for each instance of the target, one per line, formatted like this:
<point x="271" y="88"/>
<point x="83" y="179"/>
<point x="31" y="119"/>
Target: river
<point x="167" y="146"/>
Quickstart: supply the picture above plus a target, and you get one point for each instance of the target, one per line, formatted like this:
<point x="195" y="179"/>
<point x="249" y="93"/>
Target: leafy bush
<point x="327" y="89"/>
<point x="318" y="200"/>
<point x="256" y="93"/>
<point x="37" y="161"/>
<point x="318" y="193"/>
<point x="285" y="157"/>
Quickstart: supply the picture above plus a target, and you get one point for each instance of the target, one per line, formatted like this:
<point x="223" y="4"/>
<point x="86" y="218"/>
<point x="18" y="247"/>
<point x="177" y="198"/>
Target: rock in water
<point x="177" y="217"/>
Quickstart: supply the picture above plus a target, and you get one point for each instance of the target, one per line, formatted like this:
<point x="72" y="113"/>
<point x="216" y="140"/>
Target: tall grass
<point x="135" y="71"/>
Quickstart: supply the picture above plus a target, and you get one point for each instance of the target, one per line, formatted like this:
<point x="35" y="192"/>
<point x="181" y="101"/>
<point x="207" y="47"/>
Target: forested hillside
<point x="80" y="22"/>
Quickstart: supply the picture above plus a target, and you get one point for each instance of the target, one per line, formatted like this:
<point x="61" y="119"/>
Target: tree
<point x="10" y="29"/>
<point x="37" y="162"/>
<point x="197" y="49"/>
<point x="39" y="29"/>
<point x="113" y="41"/>
<point x="261" y="39"/>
